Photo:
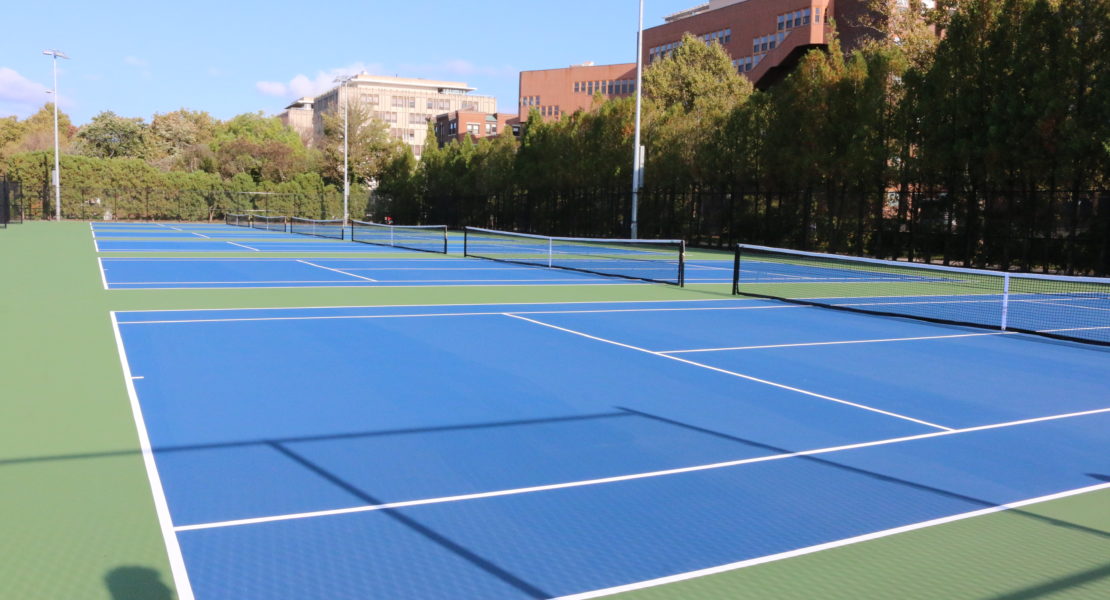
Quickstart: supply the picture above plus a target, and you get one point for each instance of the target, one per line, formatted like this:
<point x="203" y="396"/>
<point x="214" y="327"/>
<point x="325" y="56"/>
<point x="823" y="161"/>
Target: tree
<point x="689" y="94"/>
<point x="176" y="137"/>
<point x="262" y="147"/>
<point x="109" y="135"/>
<point x="369" y="145"/>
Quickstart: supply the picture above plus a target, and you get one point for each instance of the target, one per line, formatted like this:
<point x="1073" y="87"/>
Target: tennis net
<point x="333" y="229"/>
<point x="238" y="220"/>
<point x="268" y="223"/>
<point x="659" y="261"/>
<point x="1071" y="308"/>
<point x="425" y="238"/>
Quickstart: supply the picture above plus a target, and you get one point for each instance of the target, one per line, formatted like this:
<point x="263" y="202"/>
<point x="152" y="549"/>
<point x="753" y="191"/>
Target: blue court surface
<point x="546" y="450"/>
<point x="420" y="269"/>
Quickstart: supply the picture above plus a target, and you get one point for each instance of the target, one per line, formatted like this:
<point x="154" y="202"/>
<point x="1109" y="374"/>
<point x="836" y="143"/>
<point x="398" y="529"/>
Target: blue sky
<point x="229" y="57"/>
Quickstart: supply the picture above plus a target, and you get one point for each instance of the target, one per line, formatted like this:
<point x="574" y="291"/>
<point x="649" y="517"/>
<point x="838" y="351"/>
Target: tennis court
<point x="547" y="450"/>
<point x="394" y="259"/>
<point x="464" y="427"/>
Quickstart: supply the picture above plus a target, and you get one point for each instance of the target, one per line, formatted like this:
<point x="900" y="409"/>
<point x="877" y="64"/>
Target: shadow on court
<point x="137" y="583"/>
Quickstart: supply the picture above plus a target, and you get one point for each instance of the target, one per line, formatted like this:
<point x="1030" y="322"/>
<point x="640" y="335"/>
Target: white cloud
<point x="458" y="67"/>
<point x="272" y="88"/>
<point x="304" y="85"/>
<point x="20" y="96"/>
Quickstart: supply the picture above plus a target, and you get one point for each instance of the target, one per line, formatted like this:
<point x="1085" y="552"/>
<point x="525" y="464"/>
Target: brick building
<point x="459" y="124"/>
<point x="765" y="38"/>
<point x="557" y="92"/>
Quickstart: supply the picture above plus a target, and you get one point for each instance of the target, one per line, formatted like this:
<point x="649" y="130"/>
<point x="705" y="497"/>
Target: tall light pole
<point x="637" y="156"/>
<point x="57" y="163"/>
<point x="342" y="81"/>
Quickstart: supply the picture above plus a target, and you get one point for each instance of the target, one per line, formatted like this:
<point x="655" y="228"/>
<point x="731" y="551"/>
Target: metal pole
<point x="637" y="175"/>
<point x="346" y="179"/>
<point x="55" y="54"/>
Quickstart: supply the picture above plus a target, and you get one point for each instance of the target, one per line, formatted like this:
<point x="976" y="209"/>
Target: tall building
<point x="558" y="92"/>
<point x="298" y="117"/>
<point x="765" y="38"/>
<point x="406" y="105"/>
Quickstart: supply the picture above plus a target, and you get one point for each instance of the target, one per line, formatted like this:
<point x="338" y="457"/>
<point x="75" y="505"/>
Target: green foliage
<point x="370" y="147"/>
<point x="109" y="135"/>
<point x="258" y="146"/>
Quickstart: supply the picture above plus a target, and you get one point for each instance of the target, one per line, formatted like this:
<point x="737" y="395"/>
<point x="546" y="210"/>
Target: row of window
<point x="405" y="135"/>
<point x="661" y="52"/>
<point x="385" y="116"/>
<point x="747" y="63"/>
<point x="762" y="45"/>
<point x="613" y="87"/>
<point x="530" y="101"/>
<point x="436" y="104"/>
<point x="797" y="18"/>
<point x="474" y="129"/>
<point x="723" y="36"/>
<point x="550" y="111"/>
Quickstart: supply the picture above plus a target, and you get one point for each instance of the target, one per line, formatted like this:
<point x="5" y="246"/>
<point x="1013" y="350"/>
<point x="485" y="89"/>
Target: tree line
<point x="972" y="132"/>
<point x="188" y="165"/>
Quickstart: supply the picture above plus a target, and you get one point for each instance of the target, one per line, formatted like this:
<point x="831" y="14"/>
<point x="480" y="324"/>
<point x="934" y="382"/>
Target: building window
<point x="805" y="17"/>
<point x="473" y="128"/>
<point x="491" y="128"/>
<point x="453" y="127"/>
<point x="436" y="104"/>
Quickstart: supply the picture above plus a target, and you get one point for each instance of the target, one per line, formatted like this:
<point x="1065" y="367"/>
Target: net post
<point x="1005" y="301"/>
<point x="445" y="239"/>
<point x="550" y="257"/>
<point x="682" y="264"/>
<point x="736" y="271"/>
<point x="466" y="239"/>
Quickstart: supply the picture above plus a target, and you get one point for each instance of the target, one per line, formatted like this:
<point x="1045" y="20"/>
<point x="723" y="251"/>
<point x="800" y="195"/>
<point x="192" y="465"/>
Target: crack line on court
<point x="735" y="374"/>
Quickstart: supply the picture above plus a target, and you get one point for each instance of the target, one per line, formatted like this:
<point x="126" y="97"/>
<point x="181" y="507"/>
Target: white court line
<point x="434" y="284"/>
<point x="161" y="507"/>
<point x="906" y="339"/>
<point x="1061" y="303"/>
<point x="456" y="314"/>
<point x="542" y="280"/>
<point x="828" y="545"/>
<point x="1073" y="329"/>
<point x="735" y="374"/>
<point x="305" y="262"/>
<point x="621" y="478"/>
<point x="200" y="235"/>
<point x="103" y="277"/>
<point x="232" y="243"/>
<point x="759" y="303"/>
